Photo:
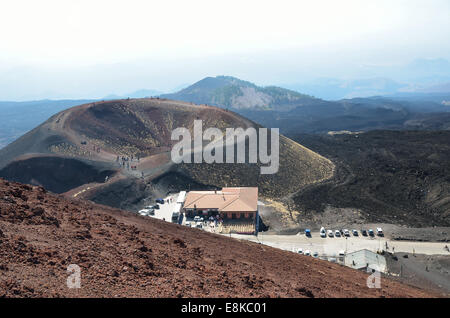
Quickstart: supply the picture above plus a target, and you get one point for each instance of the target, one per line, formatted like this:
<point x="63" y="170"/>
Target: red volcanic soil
<point x="125" y="255"/>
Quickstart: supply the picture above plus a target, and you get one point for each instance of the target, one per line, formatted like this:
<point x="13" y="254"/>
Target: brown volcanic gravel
<point x="125" y="255"/>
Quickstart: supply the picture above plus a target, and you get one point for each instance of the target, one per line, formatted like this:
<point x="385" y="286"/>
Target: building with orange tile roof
<point x="228" y="203"/>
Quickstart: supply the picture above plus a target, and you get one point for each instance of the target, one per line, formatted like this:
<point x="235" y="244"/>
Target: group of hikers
<point x="126" y="162"/>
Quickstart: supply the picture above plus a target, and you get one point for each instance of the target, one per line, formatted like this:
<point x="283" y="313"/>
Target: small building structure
<point x="365" y="259"/>
<point x="236" y="208"/>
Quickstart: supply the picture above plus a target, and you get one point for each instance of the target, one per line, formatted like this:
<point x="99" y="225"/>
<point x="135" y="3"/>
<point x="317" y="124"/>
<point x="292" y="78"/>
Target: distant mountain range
<point x="142" y="93"/>
<point x="419" y="76"/>
<point x="19" y="117"/>
<point x="295" y="112"/>
<point x="335" y="89"/>
<point x="270" y="106"/>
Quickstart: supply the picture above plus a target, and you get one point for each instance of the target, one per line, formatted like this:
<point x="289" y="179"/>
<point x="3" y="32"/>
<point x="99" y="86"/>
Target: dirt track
<point x="125" y="255"/>
<point x="422" y="270"/>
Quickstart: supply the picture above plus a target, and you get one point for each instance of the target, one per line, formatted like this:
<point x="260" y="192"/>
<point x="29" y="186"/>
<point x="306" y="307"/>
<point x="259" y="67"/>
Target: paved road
<point x="331" y="246"/>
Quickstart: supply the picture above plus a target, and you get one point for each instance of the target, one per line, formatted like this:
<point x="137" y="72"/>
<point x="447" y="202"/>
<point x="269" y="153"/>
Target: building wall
<point x="365" y="258"/>
<point x="238" y="215"/>
<point x="244" y="215"/>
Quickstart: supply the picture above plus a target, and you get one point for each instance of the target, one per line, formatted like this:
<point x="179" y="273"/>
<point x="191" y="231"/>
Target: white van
<point x="379" y="231"/>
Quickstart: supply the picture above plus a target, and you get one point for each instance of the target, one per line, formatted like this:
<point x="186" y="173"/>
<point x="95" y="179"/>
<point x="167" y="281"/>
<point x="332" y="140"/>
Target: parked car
<point x="330" y="233"/>
<point x="355" y="233"/>
<point x="160" y="201"/>
<point x="341" y="253"/>
<point x="308" y="232"/>
<point x="364" y="232"/>
<point x="307" y="253"/>
<point x="380" y="231"/>
<point x="144" y="212"/>
<point x="371" y="232"/>
<point x="198" y="218"/>
<point x="337" y="233"/>
<point x="322" y="232"/>
<point x="300" y="251"/>
<point x="315" y="254"/>
<point x="199" y="225"/>
<point x="346" y="232"/>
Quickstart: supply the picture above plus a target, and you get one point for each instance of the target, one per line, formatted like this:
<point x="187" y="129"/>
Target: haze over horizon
<point x="85" y="49"/>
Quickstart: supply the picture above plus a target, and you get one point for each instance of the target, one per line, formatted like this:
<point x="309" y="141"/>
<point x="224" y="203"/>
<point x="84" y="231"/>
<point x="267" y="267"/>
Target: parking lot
<point x="331" y="246"/>
<point x="324" y="246"/>
<point x="165" y="213"/>
<point x="165" y="210"/>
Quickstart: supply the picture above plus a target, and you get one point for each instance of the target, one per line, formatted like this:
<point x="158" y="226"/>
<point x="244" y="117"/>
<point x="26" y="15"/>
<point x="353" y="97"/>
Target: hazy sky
<point x="92" y="48"/>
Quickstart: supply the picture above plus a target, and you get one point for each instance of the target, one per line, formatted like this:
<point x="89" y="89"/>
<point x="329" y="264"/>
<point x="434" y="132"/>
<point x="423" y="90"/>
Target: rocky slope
<point x="295" y="113"/>
<point x="78" y="148"/>
<point x="399" y="177"/>
<point x="124" y="255"/>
